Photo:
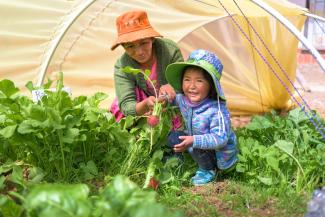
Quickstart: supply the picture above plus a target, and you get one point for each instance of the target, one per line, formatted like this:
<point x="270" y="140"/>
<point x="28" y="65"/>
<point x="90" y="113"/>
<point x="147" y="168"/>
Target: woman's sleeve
<point x="124" y="90"/>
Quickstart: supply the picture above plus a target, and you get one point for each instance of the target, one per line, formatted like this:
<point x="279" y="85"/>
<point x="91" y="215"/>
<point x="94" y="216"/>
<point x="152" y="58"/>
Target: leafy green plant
<point x="58" y="134"/>
<point x="142" y="150"/>
<point x="124" y="198"/>
<point x="154" y="118"/>
<point x="121" y="197"/>
<point x="281" y="151"/>
<point x="158" y="128"/>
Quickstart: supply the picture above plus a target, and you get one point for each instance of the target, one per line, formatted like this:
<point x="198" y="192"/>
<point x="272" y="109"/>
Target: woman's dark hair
<point x="213" y="93"/>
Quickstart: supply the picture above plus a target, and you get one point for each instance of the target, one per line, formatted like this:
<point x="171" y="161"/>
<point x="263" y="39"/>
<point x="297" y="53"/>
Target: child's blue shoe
<point x="203" y="177"/>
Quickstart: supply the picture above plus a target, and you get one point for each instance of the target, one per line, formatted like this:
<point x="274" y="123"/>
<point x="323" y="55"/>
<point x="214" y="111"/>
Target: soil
<point x="311" y="86"/>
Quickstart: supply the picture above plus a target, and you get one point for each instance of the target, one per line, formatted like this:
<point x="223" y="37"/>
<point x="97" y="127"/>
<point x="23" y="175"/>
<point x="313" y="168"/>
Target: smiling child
<point x="208" y="136"/>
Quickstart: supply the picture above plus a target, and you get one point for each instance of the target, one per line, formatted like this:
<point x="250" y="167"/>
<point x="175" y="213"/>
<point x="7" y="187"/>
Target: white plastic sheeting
<point x="28" y="30"/>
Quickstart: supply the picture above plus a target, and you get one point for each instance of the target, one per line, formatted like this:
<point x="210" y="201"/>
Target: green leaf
<point x="96" y="99"/>
<point x="52" y="200"/>
<point x="79" y="100"/>
<point x="59" y="82"/>
<point x="48" y="84"/>
<point x="8" y="87"/>
<point x="150" y="210"/>
<point x="70" y="134"/>
<point x="35" y="175"/>
<point x="29" y="126"/>
<point x="131" y="70"/>
<point x="6" y="167"/>
<point x="2" y="180"/>
<point x="147" y="72"/>
<point x="265" y="180"/>
<point x="259" y="123"/>
<point x="297" y="116"/>
<point x="285" y="146"/>
<point x="273" y="163"/>
<point x="83" y="137"/>
<point x="99" y="96"/>
<point x="71" y="120"/>
<point x="3" y="119"/>
<point x="91" y="116"/>
<point x="245" y="151"/>
<point x="240" y="168"/>
<point x="90" y="170"/>
<point x="305" y="136"/>
<point x="54" y="118"/>
<point x="37" y="112"/>
<point x="30" y="86"/>
<point x="165" y="176"/>
<point x="17" y="176"/>
<point x="2" y="95"/>
<point x="123" y="198"/>
<point x="8" y="131"/>
<point x="9" y="208"/>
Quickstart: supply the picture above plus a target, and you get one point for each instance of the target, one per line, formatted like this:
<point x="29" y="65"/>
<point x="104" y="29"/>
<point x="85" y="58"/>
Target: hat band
<point x="207" y="66"/>
<point x="135" y="29"/>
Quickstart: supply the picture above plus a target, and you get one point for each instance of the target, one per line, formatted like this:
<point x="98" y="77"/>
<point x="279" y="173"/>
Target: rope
<point x="320" y="26"/>
<point x="273" y="71"/>
<point x="278" y="64"/>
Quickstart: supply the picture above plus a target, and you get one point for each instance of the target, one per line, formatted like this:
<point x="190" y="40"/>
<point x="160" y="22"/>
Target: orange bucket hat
<point x="132" y="26"/>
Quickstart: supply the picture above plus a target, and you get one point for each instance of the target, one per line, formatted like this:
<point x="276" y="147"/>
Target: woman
<point x="144" y="49"/>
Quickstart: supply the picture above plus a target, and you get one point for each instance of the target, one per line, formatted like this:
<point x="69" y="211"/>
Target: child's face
<point x="195" y="86"/>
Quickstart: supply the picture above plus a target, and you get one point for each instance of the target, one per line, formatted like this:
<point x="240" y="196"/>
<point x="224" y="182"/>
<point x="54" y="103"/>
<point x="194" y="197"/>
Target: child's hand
<point x="185" y="144"/>
<point x="168" y="90"/>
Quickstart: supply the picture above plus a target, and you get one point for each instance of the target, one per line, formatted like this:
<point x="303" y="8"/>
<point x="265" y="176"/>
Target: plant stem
<point x="151" y="139"/>
<point x="154" y="88"/>
<point x="62" y="151"/>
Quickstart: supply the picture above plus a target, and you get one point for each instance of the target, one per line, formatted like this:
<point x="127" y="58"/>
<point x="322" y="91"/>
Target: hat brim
<point x="174" y="74"/>
<point x="136" y="35"/>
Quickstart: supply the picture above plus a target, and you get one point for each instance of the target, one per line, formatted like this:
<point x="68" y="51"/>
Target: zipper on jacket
<point x="190" y="122"/>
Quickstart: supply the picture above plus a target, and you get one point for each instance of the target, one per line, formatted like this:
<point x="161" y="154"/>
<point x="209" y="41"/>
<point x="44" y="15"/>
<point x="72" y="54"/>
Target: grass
<point x="226" y="198"/>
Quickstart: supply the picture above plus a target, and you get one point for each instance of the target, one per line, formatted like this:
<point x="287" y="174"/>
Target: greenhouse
<point x="63" y="152"/>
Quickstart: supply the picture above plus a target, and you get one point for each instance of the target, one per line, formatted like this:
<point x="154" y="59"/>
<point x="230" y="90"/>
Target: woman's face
<point x="195" y="86"/>
<point x="140" y="50"/>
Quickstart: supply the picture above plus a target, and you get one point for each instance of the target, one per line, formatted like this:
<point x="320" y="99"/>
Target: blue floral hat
<point x="200" y="58"/>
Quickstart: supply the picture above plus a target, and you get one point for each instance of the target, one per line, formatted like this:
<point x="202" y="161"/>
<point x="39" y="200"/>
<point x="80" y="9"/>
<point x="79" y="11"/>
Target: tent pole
<point x="293" y="30"/>
<point x="55" y="42"/>
<point x="315" y="17"/>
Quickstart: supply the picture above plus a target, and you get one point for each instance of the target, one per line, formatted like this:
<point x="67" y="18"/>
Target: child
<point x="210" y="139"/>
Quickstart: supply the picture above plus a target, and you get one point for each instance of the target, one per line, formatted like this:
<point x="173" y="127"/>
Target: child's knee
<point x="173" y="138"/>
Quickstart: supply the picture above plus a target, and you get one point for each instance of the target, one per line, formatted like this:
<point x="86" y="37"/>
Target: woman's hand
<point x="168" y="90"/>
<point x="145" y="106"/>
<point x="185" y="144"/>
